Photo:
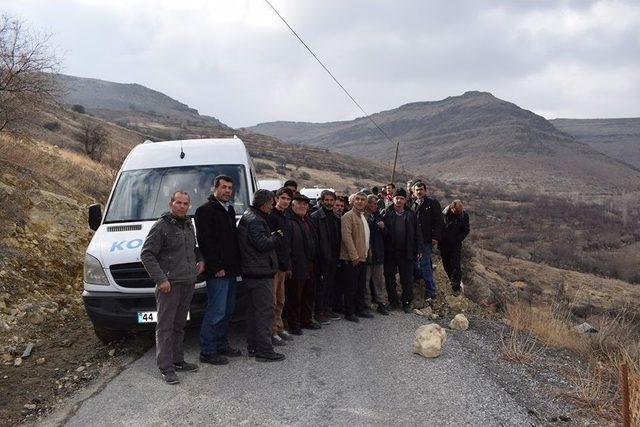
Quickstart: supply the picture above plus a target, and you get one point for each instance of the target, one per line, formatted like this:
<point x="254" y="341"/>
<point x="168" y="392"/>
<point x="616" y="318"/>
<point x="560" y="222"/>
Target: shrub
<point x="79" y="108"/>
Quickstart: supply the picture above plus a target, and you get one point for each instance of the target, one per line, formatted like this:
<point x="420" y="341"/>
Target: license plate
<point x="152" y="316"/>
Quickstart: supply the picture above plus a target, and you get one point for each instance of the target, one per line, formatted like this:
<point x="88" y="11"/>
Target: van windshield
<point x="144" y="194"/>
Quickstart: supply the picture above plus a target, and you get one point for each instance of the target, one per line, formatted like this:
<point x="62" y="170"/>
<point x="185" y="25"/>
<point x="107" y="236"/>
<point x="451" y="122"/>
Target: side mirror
<point x="95" y="216"/>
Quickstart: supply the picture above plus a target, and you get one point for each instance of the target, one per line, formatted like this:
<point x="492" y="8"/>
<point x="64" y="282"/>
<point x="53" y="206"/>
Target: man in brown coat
<point x="353" y="255"/>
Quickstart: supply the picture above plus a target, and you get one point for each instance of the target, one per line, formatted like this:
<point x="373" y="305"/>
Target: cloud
<point x="236" y="61"/>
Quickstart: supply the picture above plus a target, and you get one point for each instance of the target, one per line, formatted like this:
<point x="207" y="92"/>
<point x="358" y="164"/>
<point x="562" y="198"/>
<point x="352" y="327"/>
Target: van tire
<point x="108" y="335"/>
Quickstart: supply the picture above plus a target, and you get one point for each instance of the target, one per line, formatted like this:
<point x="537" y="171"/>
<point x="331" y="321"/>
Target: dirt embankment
<point x="43" y="235"/>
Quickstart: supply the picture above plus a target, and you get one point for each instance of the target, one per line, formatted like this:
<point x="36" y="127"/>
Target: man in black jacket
<point x="258" y="265"/>
<point x="218" y="241"/>
<point x="327" y="228"/>
<point x="375" y="288"/>
<point x="300" y="285"/>
<point x="277" y="221"/>
<point x="403" y="246"/>
<point x="429" y="214"/>
<point x="456" y="229"/>
<point x="171" y="258"/>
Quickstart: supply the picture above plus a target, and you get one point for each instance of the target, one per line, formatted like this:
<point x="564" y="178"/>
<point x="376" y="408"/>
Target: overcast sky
<point x="236" y="60"/>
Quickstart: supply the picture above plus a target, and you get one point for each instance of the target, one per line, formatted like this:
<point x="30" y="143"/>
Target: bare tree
<point x="27" y="67"/>
<point x="94" y="139"/>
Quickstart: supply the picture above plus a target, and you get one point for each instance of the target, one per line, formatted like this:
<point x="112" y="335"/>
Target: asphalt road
<point x="357" y="374"/>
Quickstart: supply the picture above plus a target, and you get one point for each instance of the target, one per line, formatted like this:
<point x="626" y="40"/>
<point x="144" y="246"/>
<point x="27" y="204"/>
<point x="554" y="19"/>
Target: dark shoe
<point x="213" y="359"/>
<point x="297" y="331"/>
<point x="333" y="315"/>
<point x="185" y="366"/>
<point x="312" y="325"/>
<point x="271" y="356"/>
<point x="365" y="313"/>
<point x="169" y="376"/>
<point x="230" y="352"/>
<point x="323" y="319"/>
<point x="383" y="310"/>
<point x="352" y="318"/>
<point x="285" y="336"/>
<point x="406" y="308"/>
<point x="277" y="341"/>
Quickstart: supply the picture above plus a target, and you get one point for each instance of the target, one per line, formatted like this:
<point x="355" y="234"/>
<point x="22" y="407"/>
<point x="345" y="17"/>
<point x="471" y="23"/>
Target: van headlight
<point x="93" y="272"/>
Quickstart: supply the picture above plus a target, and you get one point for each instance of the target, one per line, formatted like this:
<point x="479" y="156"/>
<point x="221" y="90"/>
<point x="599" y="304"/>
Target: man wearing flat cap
<point x="258" y="265"/>
<point x="300" y="285"/>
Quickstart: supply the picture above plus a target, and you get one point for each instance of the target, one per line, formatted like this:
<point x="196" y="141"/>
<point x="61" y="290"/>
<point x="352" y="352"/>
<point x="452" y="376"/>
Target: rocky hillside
<point x="110" y="99"/>
<point x="470" y="138"/>
<point x="617" y="138"/>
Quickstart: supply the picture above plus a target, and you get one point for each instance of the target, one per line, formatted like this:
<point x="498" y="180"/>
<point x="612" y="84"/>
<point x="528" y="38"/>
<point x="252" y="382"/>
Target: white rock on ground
<point x="459" y="323"/>
<point x="429" y="340"/>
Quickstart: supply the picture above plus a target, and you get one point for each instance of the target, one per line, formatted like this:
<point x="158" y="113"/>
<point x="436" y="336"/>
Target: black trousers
<point x="325" y="282"/>
<point x="399" y="262"/>
<point x="298" y="301"/>
<point x="354" y="283"/>
<point x="451" y="261"/>
<point x="259" y="314"/>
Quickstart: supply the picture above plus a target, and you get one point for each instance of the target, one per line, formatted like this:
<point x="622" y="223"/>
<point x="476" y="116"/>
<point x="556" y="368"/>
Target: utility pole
<point x="395" y="161"/>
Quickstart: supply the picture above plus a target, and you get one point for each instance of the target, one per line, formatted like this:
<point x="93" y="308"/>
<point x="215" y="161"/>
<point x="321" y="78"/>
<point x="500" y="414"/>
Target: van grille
<point x="131" y="275"/>
<point x="113" y="228"/>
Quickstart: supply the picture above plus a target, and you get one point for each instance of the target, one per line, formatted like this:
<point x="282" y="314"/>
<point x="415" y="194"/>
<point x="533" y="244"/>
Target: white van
<point x="314" y="194"/>
<point x="118" y="293"/>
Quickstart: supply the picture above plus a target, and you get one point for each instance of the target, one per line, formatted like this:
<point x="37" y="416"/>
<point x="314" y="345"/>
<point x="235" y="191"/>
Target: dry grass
<point x="595" y="389"/>
<point x="71" y="171"/>
<point x="519" y="345"/>
<point x="592" y="390"/>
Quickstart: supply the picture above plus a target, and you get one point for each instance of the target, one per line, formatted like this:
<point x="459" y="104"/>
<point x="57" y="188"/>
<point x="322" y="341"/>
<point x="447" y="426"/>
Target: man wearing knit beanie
<point x="258" y="265"/>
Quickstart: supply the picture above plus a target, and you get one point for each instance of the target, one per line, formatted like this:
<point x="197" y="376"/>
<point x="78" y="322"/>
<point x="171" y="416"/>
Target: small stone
<point x="30" y="406"/>
<point x="40" y="361"/>
<point x="18" y="361"/>
<point x="459" y="323"/>
<point x="80" y="368"/>
<point x="585" y="328"/>
<point x="6" y="357"/>
<point x="112" y="352"/>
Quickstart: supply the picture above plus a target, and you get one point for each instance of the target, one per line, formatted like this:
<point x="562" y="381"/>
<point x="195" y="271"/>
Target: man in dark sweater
<point x="218" y="241"/>
<point x="403" y="246"/>
<point x="456" y="229"/>
<point x="171" y="258"/>
<point x="258" y="265"/>
<point x="429" y="214"/>
<point x="278" y="221"/>
<point x="327" y="228"/>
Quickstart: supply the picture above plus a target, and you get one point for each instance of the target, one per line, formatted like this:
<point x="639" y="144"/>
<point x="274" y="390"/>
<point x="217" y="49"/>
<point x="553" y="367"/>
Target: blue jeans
<point x="221" y="301"/>
<point x="427" y="274"/>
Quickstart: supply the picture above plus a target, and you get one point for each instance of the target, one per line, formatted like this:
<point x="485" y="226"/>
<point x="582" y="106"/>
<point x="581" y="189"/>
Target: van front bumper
<point x="119" y="311"/>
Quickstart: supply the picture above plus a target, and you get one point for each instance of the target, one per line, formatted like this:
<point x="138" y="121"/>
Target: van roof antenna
<point x="181" y="151"/>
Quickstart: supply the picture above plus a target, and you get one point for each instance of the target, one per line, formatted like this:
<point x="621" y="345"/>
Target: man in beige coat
<point x="353" y="255"/>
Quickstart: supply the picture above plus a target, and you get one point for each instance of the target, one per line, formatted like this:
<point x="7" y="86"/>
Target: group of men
<point x="301" y="269"/>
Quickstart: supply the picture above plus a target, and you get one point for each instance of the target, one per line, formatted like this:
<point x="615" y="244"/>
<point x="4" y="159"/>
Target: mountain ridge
<point x="468" y="138"/>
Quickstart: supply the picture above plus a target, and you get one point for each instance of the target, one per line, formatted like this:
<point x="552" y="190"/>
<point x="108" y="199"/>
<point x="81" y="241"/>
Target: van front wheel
<point x="108" y="335"/>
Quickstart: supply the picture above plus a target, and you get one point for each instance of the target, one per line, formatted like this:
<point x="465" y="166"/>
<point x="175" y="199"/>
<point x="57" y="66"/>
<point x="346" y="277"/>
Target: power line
<point x="367" y="115"/>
